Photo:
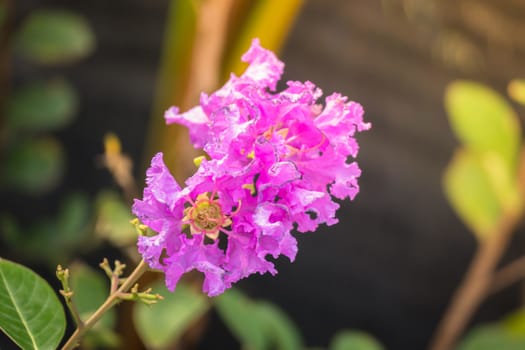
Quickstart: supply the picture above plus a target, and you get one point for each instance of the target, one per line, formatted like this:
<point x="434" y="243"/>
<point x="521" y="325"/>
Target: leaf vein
<point x="17" y="308"/>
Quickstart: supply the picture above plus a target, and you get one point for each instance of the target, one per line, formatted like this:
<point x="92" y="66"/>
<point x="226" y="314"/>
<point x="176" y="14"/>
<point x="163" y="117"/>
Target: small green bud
<point x="142" y="230"/>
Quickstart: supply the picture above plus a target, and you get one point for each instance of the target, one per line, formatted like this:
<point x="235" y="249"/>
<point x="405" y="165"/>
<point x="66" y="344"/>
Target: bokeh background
<point x="392" y="263"/>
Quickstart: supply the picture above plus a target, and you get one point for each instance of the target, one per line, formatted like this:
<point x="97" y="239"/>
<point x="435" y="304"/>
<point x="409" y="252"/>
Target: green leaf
<point x="483" y="120"/>
<point x="354" y="340"/>
<point x="113" y="219"/>
<point x="514" y="323"/>
<point x="491" y="337"/>
<point x="283" y="332"/>
<point x="470" y="192"/>
<point x="30" y="312"/>
<point x="516" y="90"/>
<point x="90" y="289"/>
<point x="257" y="325"/>
<point x="42" y="106"/>
<point x="161" y="325"/>
<point x="239" y="314"/>
<point x="34" y="166"/>
<point x="54" y="37"/>
<point x="11" y="233"/>
<point x="101" y="338"/>
<point x="61" y="235"/>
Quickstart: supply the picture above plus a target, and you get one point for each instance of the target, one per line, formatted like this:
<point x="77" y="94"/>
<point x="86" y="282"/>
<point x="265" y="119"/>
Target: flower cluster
<point x="274" y="161"/>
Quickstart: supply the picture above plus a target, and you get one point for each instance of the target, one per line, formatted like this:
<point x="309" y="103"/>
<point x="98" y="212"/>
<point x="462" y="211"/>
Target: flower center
<point x="206" y="216"/>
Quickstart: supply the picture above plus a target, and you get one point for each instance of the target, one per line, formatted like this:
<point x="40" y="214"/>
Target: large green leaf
<point x="483" y="120"/>
<point x="34" y="166"/>
<point x="354" y="340"/>
<point x="42" y="106"/>
<point x="30" y="312"/>
<point x="161" y="325"/>
<point x="469" y="189"/>
<point x="54" y="37"/>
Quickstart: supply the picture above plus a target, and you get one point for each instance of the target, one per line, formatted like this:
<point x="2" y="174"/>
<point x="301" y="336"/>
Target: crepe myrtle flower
<point x="286" y="135"/>
<point x="274" y="163"/>
<point x="189" y="221"/>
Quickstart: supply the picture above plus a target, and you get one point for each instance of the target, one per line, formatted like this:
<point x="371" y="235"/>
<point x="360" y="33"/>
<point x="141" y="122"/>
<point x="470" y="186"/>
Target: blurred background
<point x="391" y="265"/>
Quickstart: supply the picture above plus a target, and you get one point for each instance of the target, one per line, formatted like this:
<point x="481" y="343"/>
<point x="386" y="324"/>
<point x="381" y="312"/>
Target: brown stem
<point x="112" y="299"/>
<point x="508" y="275"/>
<point x="475" y="285"/>
<point x="183" y="76"/>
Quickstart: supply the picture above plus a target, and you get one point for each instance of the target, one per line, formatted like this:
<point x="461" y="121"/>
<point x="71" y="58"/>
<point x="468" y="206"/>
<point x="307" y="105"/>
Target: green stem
<point x="73" y="310"/>
<point x="112" y="299"/>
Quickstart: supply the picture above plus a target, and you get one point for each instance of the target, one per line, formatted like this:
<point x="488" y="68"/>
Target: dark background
<point x="389" y="267"/>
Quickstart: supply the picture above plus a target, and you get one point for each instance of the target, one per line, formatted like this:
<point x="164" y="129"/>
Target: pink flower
<point x="188" y="223"/>
<point x="243" y="123"/>
<point x="274" y="162"/>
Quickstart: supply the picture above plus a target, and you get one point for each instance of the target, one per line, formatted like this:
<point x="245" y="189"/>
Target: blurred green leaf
<point x="30" y="312"/>
<point x="113" y="219"/>
<point x="257" y="325"/>
<point x="54" y="37"/>
<point x="101" y="338"/>
<point x="354" y="340"/>
<point x="90" y="289"/>
<point x="514" y="323"/>
<point x="483" y="120"/>
<point x="283" y="332"/>
<point x="239" y="314"/>
<point x="491" y="337"/>
<point x="42" y="106"/>
<point x="516" y="90"/>
<point x="10" y="229"/>
<point x="31" y="239"/>
<point x="61" y="235"/>
<point x="161" y="325"/>
<point x="470" y="192"/>
<point x="34" y="166"/>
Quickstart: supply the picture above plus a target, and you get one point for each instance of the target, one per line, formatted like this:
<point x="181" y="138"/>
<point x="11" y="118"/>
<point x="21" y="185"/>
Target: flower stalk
<point x="67" y="293"/>
<point x="114" y="297"/>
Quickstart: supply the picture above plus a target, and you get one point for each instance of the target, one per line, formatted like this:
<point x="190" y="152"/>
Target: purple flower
<point x="285" y="135"/>
<point x="275" y="159"/>
<point x="188" y="223"/>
